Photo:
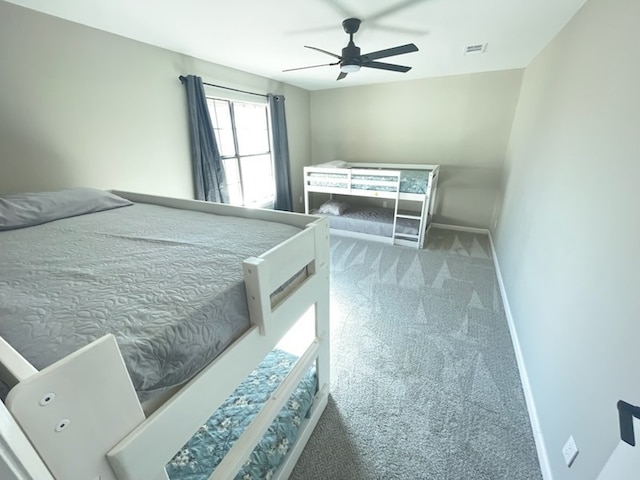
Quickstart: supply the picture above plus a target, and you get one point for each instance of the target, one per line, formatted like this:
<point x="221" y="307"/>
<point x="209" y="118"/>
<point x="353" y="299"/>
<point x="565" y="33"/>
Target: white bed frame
<point x="425" y="201"/>
<point x="80" y="418"/>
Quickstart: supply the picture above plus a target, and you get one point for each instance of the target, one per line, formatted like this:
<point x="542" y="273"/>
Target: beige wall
<point x="568" y="238"/>
<point x="460" y="122"/>
<point x="83" y="107"/>
<point x="79" y="106"/>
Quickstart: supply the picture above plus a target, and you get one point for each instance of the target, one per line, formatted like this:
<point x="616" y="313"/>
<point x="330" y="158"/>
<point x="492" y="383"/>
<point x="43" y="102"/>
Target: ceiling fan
<point x="351" y="60"/>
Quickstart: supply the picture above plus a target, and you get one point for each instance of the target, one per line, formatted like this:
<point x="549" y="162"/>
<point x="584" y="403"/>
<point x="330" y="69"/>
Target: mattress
<point x="411" y="181"/>
<point x="203" y="452"/>
<point x="374" y="221"/>
<point x="167" y="283"/>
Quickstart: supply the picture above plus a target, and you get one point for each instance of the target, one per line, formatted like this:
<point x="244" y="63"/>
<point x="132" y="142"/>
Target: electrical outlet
<point x="570" y="451"/>
<point x="384" y="204"/>
<point x="301" y="199"/>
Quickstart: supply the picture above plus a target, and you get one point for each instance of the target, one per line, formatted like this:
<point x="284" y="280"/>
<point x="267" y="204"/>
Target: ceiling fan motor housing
<point x="351" y="53"/>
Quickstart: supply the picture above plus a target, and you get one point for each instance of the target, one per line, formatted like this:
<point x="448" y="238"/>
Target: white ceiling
<point x="266" y="36"/>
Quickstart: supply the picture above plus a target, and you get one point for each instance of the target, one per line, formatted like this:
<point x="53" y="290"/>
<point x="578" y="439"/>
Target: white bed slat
<point x="291" y="256"/>
<point x="306" y="429"/>
<point x="396" y="166"/>
<point x="13" y="366"/>
<point x="353" y="192"/>
<point x="239" y="453"/>
<point x="288" y="218"/>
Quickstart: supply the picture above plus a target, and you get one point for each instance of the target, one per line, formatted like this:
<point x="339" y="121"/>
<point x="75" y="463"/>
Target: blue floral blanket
<point x="200" y="456"/>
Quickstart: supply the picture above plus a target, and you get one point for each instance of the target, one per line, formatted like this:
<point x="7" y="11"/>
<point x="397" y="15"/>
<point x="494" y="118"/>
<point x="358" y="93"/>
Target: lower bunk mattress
<point x="199" y="457"/>
<point x="373" y="221"/>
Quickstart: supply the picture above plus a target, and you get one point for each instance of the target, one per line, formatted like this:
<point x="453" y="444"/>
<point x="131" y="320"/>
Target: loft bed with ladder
<point x="131" y="332"/>
<point x="410" y="188"/>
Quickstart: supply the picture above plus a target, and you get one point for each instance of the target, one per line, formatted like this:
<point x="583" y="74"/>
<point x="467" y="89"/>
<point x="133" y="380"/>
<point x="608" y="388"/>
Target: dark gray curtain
<point x="208" y="173"/>
<point x="280" y="154"/>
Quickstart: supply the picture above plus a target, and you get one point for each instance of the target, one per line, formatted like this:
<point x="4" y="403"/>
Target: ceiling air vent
<point x="475" y="49"/>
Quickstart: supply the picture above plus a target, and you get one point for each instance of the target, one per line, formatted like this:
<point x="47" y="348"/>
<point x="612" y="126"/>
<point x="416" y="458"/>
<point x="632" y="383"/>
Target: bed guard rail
<point x="306" y="253"/>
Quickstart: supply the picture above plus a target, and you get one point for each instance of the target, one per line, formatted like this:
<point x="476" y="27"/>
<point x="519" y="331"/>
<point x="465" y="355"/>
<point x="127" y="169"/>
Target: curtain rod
<point x="227" y="88"/>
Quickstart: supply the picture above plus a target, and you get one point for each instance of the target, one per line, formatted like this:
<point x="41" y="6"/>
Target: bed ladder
<point x="426" y="213"/>
<point x="405" y="239"/>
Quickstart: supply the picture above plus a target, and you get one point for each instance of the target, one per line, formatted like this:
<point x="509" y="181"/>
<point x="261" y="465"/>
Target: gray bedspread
<point x="167" y="283"/>
<point x="374" y="221"/>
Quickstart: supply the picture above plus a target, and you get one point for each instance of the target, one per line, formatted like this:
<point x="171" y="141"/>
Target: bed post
<point x="322" y="305"/>
<point x="17" y="455"/>
<point x="323" y="333"/>
<point x="306" y="191"/>
<point x="71" y="415"/>
<point x="257" y="298"/>
<point x="433" y="184"/>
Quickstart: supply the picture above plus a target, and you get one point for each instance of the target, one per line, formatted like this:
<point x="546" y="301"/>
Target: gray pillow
<point x="332" y="207"/>
<point x="28" y="209"/>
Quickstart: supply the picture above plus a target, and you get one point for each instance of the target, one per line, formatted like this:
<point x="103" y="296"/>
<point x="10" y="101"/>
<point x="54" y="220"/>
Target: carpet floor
<point x="424" y="381"/>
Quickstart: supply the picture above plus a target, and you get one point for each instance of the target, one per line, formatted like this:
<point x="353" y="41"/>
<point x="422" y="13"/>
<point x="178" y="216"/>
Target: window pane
<point x="231" y="170"/>
<point x="257" y="179"/>
<point x="220" y="113"/>
<point x="232" y="175"/>
<point x="235" y="194"/>
<point x="252" y="128"/>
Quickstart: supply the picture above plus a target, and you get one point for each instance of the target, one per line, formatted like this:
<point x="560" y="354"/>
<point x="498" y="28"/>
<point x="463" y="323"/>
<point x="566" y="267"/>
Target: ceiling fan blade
<point x="390" y="52"/>
<point x="324" y="51"/>
<point x="341" y="76"/>
<point x="387" y="66"/>
<point x="392" y="9"/>
<point x="408" y="31"/>
<point x="312" y="30"/>
<point x="340" y="8"/>
<point x="311" y="66"/>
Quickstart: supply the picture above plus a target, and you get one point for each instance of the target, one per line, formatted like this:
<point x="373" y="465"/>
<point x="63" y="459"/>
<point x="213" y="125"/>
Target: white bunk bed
<point x="81" y="417"/>
<point x="410" y="187"/>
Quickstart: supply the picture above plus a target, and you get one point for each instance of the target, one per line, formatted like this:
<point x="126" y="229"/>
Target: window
<point x="242" y="133"/>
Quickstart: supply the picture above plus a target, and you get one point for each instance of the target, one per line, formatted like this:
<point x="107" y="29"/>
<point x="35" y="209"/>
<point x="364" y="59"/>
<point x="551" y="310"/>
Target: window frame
<point x="237" y="158"/>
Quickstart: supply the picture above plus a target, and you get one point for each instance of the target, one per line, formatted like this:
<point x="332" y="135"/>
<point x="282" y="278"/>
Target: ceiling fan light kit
<point x="349" y="67"/>
<point x="351" y="60"/>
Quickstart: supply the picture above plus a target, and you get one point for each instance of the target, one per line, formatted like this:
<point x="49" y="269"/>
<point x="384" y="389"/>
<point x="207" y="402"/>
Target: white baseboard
<point x="541" y="448"/>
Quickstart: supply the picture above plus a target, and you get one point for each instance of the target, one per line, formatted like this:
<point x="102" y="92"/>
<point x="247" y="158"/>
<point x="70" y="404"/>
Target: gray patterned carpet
<point x="424" y="378"/>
